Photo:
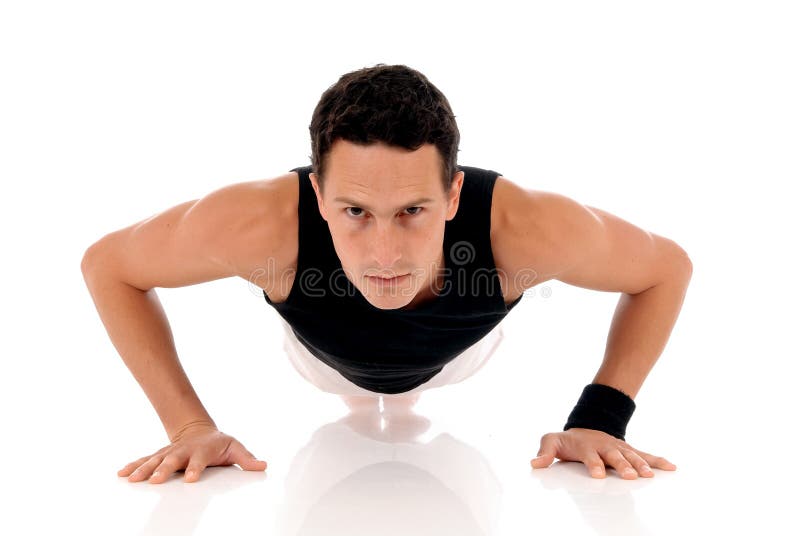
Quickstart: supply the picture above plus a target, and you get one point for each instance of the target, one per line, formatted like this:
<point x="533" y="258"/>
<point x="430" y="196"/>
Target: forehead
<point x="379" y="168"/>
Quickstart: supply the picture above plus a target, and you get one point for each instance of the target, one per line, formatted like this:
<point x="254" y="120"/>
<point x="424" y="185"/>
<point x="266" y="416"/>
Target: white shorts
<point x="330" y="380"/>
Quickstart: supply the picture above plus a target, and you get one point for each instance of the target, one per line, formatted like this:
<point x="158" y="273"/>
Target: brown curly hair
<point x="394" y="104"/>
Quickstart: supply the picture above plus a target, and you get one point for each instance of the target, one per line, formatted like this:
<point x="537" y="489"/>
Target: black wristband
<point x="603" y="408"/>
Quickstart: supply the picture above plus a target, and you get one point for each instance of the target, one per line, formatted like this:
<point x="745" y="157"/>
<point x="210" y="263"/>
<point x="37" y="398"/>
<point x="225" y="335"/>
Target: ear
<point x="320" y="203"/>
<point x="454" y="196"/>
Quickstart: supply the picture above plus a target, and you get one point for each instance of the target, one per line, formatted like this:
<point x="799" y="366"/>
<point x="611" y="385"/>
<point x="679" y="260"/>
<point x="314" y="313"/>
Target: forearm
<point x="639" y="331"/>
<point x="139" y="330"/>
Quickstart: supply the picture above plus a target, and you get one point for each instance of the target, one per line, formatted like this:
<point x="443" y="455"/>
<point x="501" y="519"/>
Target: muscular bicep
<point x="189" y="243"/>
<point x="556" y="237"/>
<point x="601" y="251"/>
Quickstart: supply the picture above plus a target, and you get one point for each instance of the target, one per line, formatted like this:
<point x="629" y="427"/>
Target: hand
<point x="596" y="449"/>
<point x="194" y="449"/>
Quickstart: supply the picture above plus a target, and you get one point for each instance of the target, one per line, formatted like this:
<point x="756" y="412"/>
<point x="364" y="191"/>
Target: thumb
<point x="245" y="459"/>
<point x="545" y="456"/>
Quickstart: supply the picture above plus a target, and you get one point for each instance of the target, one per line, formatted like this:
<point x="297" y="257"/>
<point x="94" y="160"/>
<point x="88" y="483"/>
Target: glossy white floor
<point x="73" y="416"/>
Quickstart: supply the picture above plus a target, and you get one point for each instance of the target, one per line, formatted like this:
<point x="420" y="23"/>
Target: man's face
<point x="386" y="211"/>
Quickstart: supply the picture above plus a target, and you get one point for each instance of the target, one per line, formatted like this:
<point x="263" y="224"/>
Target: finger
<point x="615" y="459"/>
<point x="596" y="465"/>
<point x="662" y="463"/>
<point x="637" y="462"/>
<point x="547" y="452"/>
<point x="246" y="460"/>
<point x="128" y="469"/>
<point x="193" y="470"/>
<point x="171" y="463"/>
<point x="145" y="470"/>
<point x="656" y="461"/>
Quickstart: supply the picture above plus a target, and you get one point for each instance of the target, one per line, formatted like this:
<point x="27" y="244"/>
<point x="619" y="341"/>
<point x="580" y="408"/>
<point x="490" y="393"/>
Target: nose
<point x="386" y="247"/>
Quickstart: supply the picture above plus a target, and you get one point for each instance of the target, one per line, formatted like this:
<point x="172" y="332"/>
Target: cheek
<point x="433" y="238"/>
<point x="344" y="248"/>
<point x="347" y="245"/>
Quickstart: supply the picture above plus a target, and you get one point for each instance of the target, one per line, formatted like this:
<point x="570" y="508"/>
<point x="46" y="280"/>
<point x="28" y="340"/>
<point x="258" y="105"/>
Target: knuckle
<point x="142" y="466"/>
<point x="190" y="461"/>
<point x="611" y="453"/>
<point x="195" y="463"/>
<point x="171" y="459"/>
<point x="593" y="461"/>
<point x="179" y="452"/>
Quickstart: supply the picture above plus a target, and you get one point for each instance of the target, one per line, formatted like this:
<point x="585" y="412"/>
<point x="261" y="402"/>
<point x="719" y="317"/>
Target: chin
<point x="384" y="307"/>
<point x="388" y="299"/>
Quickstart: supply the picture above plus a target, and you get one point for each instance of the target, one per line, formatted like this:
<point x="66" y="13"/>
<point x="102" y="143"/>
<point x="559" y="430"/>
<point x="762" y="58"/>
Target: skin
<point x="380" y="232"/>
<point x="372" y="234"/>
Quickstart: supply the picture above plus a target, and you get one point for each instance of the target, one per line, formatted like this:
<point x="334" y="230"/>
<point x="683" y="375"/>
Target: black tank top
<point x="393" y="351"/>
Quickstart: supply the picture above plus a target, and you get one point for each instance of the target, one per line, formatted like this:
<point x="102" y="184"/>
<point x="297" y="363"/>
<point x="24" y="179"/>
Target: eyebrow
<point x="413" y="203"/>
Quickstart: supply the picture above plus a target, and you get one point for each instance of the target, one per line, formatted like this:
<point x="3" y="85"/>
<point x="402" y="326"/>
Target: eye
<point x="416" y="210"/>
<point x="353" y="208"/>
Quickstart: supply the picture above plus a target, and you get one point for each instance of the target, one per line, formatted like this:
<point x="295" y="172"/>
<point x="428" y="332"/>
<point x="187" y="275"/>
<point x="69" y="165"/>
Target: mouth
<point x="382" y="280"/>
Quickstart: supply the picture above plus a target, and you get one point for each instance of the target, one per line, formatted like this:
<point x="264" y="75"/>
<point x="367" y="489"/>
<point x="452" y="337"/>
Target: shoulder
<point x="527" y="230"/>
<point x="257" y="223"/>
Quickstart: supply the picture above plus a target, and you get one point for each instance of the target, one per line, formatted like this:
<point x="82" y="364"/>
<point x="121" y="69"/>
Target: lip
<point x="382" y="281"/>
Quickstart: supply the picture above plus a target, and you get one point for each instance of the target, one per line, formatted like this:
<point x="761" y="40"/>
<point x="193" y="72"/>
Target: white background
<point x="680" y="117"/>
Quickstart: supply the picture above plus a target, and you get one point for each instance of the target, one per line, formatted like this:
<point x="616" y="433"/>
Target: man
<point x="391" y="267"/>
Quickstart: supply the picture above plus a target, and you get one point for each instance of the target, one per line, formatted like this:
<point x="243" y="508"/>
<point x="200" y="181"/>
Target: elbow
<point x="675" y="260"/>
<point x="87" y="262"/>
<point x="685" y="263"/>
<point x="90" y="260"/>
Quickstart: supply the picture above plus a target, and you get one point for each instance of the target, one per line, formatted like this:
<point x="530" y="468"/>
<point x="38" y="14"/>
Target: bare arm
<point x="187" y="244"/>
<point x="139" y="329"/>
<point x="555" y="237"/>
